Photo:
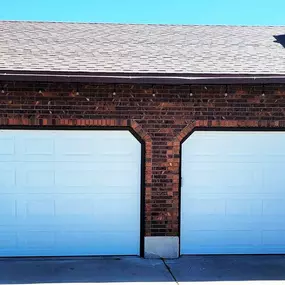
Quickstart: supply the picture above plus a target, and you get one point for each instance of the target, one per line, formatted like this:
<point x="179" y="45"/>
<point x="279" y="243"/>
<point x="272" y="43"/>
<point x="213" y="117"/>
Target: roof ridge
<point x="140" y="24"/>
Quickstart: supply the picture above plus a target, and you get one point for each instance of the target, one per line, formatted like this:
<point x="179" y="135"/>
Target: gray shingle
<point x="88" y="47"/>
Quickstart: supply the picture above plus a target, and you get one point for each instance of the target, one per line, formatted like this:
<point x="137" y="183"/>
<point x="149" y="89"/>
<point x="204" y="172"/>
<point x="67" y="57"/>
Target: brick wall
<point x="161" y="115"/>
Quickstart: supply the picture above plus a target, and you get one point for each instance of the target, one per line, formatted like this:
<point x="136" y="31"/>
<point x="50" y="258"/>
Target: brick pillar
<point x="163" y="201"/>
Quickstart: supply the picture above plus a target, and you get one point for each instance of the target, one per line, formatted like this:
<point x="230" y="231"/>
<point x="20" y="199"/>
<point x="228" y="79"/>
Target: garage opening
<point x="69" y="192"/>
<point x="233" y="193"/>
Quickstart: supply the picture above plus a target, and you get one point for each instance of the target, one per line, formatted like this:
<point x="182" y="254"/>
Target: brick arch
<point x="223" y="124"/>
<point x="132" y="124"/>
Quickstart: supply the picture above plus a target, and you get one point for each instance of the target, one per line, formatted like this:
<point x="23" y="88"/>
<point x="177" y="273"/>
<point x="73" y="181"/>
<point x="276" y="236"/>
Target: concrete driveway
<point x="227" y="269"/>
<point x="196" y="270"/>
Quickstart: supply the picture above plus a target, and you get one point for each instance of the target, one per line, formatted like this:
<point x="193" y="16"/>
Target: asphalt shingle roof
<point x="88" y="47"/>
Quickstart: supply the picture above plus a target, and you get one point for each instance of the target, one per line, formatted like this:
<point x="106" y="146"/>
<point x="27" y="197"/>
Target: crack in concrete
<point x="169" y="270"/>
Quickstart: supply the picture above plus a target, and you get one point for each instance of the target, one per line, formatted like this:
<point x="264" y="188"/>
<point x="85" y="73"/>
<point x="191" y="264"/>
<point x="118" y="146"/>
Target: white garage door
<point x="65" y="193"/>
<point x="233" y="193"/>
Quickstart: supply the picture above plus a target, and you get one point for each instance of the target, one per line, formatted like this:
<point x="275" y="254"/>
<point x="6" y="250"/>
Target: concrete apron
<point x="229" y="269"/>
<point x="196" y="270"/>
<point x="104" y="270"/>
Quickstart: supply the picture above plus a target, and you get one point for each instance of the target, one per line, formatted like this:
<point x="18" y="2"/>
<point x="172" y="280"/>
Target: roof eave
<point x="141" y="78"/>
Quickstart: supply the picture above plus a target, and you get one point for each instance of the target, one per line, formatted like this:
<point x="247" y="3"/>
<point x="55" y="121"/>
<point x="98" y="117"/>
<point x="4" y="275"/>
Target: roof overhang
<point x="141" y="78"/>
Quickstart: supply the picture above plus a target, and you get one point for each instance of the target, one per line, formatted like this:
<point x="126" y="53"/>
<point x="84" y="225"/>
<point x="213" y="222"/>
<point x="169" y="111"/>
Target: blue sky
<point x="229" y="12"/>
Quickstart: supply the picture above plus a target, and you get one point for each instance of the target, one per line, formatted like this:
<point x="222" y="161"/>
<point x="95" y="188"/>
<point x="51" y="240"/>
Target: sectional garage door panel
<point x="69" y="193"/>
<point x="233" y="193"/>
